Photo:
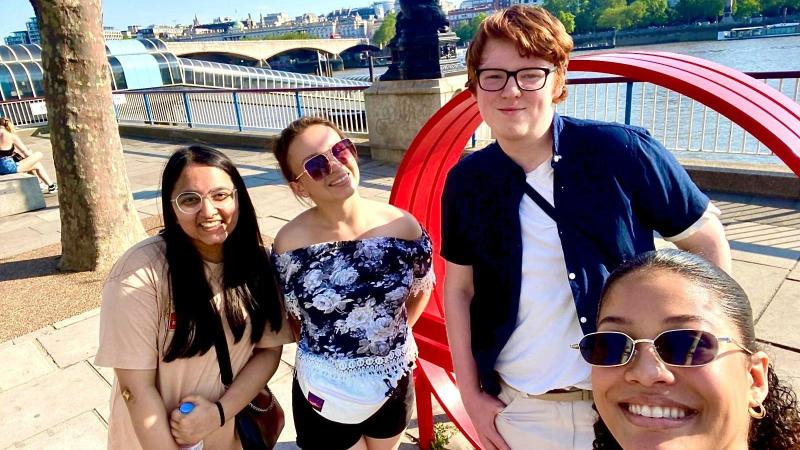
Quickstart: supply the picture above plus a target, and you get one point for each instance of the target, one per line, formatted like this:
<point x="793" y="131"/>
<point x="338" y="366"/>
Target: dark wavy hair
<point x="780" y="428"/>
<point x="248" y="279"/>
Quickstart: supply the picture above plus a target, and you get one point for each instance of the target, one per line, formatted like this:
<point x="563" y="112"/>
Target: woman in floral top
<point x="356" y="274"/>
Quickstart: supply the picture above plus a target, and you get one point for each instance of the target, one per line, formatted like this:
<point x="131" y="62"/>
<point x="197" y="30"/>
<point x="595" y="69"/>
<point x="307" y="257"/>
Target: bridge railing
<point x="243" y="110"/>
<point x="683" y="125"/>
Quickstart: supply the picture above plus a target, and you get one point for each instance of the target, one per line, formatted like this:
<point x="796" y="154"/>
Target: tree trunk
<point x="98" y="219"/>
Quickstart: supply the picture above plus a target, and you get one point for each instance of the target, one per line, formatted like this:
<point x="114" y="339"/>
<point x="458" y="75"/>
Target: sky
<point x="121" y="13"/>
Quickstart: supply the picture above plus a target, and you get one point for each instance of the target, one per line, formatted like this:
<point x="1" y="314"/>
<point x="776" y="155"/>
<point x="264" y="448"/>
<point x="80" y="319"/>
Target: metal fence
<point x="683" y="125"/>
<point x="25" y="113"/>
<point x="680" y="123"/>
<point x="243" y="110"/>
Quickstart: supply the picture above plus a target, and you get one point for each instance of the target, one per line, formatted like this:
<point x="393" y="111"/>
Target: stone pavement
<point x="53" y="397"/>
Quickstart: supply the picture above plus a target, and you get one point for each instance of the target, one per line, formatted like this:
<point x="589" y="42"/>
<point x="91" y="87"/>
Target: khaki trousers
<point x="530" y="424"/>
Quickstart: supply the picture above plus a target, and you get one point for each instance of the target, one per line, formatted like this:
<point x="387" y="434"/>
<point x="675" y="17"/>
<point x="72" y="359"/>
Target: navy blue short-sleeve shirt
<point x="613" y="186"/>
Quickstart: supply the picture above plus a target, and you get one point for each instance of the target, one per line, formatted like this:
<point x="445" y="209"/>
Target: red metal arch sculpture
<point x="767" y="114"/>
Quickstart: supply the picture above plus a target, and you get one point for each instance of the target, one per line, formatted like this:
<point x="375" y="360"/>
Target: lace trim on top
<point x="424" y="283"/>
<point x="391" y="368"/>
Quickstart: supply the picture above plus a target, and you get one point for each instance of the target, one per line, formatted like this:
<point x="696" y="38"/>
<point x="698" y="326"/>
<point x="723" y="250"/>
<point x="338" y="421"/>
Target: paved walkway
<point x="52" y="396"/>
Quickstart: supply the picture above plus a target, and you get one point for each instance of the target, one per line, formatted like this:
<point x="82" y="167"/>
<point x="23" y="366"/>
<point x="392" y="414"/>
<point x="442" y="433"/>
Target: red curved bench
<point x="764" y="112"/>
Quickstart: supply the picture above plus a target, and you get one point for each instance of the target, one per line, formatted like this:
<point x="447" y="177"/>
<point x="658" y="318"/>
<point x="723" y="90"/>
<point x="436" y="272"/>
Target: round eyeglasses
<point x="190" y="202"/>
<point x="678" y="348"/>
<point x="319" y="166"/>
<point x="527" y="79"/>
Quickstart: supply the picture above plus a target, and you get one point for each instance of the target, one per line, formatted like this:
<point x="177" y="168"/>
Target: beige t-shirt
<point x="134" y="334"/>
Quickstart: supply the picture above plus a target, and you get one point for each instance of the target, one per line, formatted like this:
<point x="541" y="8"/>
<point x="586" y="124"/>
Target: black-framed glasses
<point x="319" y="166"/>
<point x="679" y="348"/>
<point x="527" y="79"/>
<point x="190" y="202"/>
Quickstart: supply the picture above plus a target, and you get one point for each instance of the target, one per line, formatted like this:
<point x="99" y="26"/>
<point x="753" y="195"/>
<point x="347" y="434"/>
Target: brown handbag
<point x="260" y="423"/>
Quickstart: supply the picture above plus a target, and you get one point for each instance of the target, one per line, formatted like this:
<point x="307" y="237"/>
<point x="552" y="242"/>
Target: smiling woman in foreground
<point x="676" y="365"/>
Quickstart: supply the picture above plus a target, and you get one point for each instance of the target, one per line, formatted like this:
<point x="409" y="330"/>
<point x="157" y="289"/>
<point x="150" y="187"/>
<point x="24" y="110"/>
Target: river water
<point x="747" y="55"/>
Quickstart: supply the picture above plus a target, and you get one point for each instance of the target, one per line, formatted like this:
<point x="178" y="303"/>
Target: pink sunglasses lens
<point x="317" y="167"/>
<point x="344" y="150"/>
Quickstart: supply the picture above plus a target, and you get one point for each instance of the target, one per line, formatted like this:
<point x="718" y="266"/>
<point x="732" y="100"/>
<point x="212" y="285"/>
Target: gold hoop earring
<point x="757" y="412"/>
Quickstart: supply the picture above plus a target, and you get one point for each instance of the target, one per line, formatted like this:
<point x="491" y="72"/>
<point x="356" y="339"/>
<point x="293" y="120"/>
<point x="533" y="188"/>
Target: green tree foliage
<point x="775" y="7"/>
<point x="622" y="17"/>
<point x="694" y="10"/>
<point x="579" y="9"/>
<point x="746" y="8"/>
<point x="467" y="31"/>
<point x="655" y="12"/>
<point x="568" y="19"/>
<point x="386" y="31"/>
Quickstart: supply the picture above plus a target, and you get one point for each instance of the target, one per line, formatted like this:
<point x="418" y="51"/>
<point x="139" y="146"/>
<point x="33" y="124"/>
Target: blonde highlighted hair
<point x="5" y="123"/>
<point x="533" y="31"/>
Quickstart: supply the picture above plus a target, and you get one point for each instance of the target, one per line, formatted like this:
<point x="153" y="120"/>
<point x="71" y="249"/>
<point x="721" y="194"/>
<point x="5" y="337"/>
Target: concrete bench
<point x="19" y="193"/>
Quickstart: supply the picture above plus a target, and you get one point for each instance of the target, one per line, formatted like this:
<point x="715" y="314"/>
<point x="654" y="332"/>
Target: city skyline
<point x="119" y="14"/>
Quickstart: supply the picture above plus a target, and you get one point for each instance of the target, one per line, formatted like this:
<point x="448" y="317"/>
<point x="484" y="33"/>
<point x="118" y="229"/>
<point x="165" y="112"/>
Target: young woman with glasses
<point x="356" y="274"/>
<point x="676" y="364"/>
<point x="163" y="304"/>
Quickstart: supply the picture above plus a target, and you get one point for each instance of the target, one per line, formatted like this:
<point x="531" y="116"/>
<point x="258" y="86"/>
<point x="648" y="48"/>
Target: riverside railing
<point x="682" y="124"/>
<point x="239" y="110"/>
<point x="243" y="110"/>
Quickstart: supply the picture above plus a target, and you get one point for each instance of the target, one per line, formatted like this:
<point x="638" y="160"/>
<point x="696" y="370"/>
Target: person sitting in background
<point x="15" y="157"/>
<point x="676" y="364"/>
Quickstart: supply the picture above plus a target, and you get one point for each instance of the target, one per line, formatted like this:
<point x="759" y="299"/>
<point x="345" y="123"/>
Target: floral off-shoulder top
<point x="350" y="299"/>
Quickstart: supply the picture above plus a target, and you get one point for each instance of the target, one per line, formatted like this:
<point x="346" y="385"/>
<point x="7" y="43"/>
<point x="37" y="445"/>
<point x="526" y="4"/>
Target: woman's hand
<point x="189" y="429"/>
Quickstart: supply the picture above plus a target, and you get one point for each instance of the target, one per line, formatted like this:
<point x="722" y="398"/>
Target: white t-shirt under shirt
<point x="134" y="334"/>
<point x="537" y="357"/>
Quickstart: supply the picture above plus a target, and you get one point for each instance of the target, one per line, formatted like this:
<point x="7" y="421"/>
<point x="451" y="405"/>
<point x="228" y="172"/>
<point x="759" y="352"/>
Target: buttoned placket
<point x="571" y="275"/>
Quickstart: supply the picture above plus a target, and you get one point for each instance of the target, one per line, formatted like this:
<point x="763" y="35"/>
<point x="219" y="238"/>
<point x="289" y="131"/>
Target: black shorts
<point x="316" y="432"/>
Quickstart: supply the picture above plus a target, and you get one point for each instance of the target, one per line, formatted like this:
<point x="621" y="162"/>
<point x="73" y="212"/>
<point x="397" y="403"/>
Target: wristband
<point x="221" y="414"/>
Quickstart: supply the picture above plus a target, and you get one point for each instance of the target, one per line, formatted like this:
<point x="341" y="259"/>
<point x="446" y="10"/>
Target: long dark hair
<point x="780" y="428"/>
<point x="248" y="279"/>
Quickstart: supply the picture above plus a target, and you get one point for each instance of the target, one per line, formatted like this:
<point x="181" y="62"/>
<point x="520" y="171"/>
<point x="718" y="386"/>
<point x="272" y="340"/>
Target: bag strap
<point x="550" y="210"/>
<point x="541" y="202"/>
<point x="223" y="357"/>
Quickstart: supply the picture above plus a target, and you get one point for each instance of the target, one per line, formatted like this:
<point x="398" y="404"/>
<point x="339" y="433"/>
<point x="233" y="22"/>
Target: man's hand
<point x="189" y="429"/>
<point x="482" y="409"/>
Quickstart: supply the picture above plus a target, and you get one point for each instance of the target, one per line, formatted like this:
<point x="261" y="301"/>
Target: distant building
<point x="354" y="27"/>
<point x="17" y="37"/>
<point x="110" y="34"/>
<point x="447" y="6"/>
<point x="161" y="32"/>
<point x="274" y="19"/>
<point x="532" y="2"/>
<point x="462" y="16"/>
<point x="33" y="31"/>
<point x="384" y="7"/>
<point x="496" y="4"/>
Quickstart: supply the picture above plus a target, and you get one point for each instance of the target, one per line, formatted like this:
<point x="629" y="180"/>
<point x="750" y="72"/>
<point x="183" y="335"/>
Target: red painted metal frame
<point x="767" y="114"/>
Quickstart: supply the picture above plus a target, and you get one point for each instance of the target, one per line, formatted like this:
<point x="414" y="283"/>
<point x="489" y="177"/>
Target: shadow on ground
<point x="29" y="268"/>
